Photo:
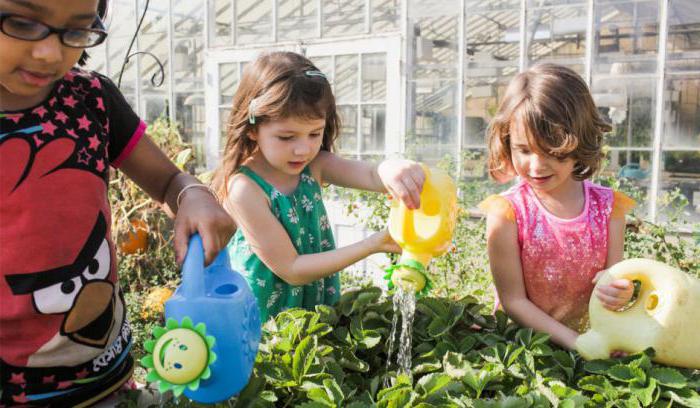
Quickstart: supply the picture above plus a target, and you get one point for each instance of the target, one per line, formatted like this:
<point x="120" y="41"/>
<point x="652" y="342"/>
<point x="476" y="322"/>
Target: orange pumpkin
<point x="136" y="239"/>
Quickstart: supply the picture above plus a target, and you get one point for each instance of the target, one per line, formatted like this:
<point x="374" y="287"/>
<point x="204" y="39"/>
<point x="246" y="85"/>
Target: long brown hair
<point x="556" y="108"/>
<point x="282" y="85"/>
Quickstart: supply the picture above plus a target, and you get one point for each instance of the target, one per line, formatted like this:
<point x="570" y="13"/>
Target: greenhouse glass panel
<point x="325" y="65"/>
<point x="482" y="95"/>
<point x="632" y="169"/>
<point x="386" y="15"/>
<point x="347" y="140"/>
<point x="558" y="35"/>
<point x="253" y="21"/>
<point x="223" y="124"/>
<point x="122" y="26"/>
<point x="228" y="82"/>
<point x="628" y="104"/>
<point x="153" y="39"/>
<point x="626" y="39"/>
<point x="296" y="19"/>
<point x="373" y="126"/>
<point x="434" y="130"/>
<point x="682" y="112"/>
<point x="343" y="17"/>
<point x="223" y="22"/>
<point x="683" y="53"/>
<point x="680" y="186"/>
<point x="346" y="79"/>
<point x="373" y="77"/>
<point x="435" y="25"/>
<point x="543" y="3"/>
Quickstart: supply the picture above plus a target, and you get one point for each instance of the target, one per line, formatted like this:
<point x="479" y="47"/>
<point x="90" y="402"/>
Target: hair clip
<point x="251" y="111"/>
<point x="315" y="73"/>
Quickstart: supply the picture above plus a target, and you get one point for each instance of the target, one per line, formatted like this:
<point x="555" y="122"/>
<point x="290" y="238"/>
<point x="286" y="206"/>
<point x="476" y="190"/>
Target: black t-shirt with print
<point x="63" y="329"/>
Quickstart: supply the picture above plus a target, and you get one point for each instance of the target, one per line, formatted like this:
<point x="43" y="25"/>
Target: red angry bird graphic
<point x="60" y="302"/>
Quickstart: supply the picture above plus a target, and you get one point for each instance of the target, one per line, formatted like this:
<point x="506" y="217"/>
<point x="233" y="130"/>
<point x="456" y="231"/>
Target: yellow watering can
<point x="664" y="316"/>
<point x="423" y="233"/>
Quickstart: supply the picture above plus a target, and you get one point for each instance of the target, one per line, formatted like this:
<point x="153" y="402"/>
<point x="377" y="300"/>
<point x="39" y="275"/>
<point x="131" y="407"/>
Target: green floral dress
<point x="303" y="216"/>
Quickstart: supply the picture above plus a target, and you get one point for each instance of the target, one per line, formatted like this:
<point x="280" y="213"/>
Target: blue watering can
<point x="208" y="347"/>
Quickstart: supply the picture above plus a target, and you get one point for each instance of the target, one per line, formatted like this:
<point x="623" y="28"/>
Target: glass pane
<point x="341" y="18"/>
<point x="680" y="174"/>
<point x="628" y="105"/>
<point x="155" y="106"/>
<point x="325" y="65"/>
<point x="223" y="123"/>
<point x="346" y="78"/>
<point x="228" y="81"/>
<point x="557" y="34"/>
<point x="223" y="22"/>
<point x="190" y="116"/>
<point x="683" y="36"/>
<point x="347" y="141"/>
<point x="541" y="3"/>
<point x="626" y="36"/>
<point x="434" y="121"/>
<point x="385" y="15"/>
<point x="188" y="17"/>
<point x="633" y="169"/>
<point x="682" y="114"/>
<point x="96" y="60"/>
<point x="153" y="39"/>
<point x="436" y="26"/>
<point x="121" y="30"/>
<point x="482" y="97"/>
<point x="296" y="19"/>
<point x="373" y="128"/>
<point x="374" y="77"/>
<point x="493" y="37"/>
<point x="253" y="21"/>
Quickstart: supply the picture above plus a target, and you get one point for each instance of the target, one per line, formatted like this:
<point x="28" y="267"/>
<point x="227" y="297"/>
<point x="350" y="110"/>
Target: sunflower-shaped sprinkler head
<point x="180" y="356"/>
<point x="423" y="233"/>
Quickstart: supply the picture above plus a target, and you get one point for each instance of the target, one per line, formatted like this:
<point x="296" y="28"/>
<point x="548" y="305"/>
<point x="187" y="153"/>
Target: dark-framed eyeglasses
<point x="23" y="28"/>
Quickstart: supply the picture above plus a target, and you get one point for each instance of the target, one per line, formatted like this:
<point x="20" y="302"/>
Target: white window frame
<point x="389" y="45"/>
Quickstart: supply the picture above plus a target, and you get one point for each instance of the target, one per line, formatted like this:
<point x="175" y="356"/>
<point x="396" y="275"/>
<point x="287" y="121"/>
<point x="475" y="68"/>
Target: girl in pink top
<point x="552" y="233"/>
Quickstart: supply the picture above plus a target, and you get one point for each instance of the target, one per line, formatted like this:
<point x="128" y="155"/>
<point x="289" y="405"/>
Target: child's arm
<point x="403" y="179"/>
<point x="270" y="242"/>
<point x="199" y="210"/>
<point x="619" y="292"/>
<point x="504" y="258"/>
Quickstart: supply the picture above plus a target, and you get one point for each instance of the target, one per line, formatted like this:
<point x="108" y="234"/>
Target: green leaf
<point x="668" y="377"/>
<point x="627" y="374"/>
<point x="598" y="366"/>
<point x="455" y="365"/>
<point x="333" y="390"/>
<point x="645" y="394"/>
<point x="432" y="383"/>
<point x="686" y="397"/>
<point x="303" y="357"/>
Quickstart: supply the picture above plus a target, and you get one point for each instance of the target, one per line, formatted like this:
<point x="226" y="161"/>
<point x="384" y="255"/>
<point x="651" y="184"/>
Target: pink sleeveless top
<point x="560" y="257"/>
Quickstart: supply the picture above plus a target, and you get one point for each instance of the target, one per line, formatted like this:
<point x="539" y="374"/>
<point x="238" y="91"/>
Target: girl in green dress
<point x="278" y="154"/>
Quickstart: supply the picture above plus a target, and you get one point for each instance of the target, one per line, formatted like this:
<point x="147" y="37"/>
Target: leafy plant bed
<point x="336" y="357"/>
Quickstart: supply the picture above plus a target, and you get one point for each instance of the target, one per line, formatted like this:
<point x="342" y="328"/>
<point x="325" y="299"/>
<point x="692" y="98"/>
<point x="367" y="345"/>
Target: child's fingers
<point x="609" y="301"/>
<point x="180" y="240"/>
<point x="622" y="284"/>
<point x="413" y="191"/>
<point x="210" y="244"/>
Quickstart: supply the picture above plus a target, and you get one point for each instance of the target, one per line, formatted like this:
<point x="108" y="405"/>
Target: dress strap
<point x="266" y="187"/>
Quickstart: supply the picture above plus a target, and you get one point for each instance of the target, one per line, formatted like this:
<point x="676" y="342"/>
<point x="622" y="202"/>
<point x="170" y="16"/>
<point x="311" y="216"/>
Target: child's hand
<point x="403" y="179"/>
<point x="616" y="294"/>
<point x="200" y="212"/>
<point x="382" y="242"/>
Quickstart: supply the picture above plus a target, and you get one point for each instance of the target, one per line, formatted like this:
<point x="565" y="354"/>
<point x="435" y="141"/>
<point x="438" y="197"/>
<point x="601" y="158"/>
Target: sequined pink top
<point x="560" y="257"/>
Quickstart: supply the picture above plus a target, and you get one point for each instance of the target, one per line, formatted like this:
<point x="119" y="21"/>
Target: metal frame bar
<point x="462" y="50"/>
<point x="274" y="17"/>
<point x="659" y="111"/>
<point x="522" y="62"/>
<point x="590" y="43"/>
<point x="171" y="65"/>
<point x="140" y="109"/>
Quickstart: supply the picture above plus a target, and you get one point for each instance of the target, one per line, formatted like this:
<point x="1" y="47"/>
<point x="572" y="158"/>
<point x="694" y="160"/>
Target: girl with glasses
<point x="64" y="338"/>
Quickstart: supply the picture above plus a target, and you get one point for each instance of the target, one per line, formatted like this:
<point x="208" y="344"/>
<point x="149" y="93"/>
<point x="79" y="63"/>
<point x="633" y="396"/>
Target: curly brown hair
<point x="556" y="108"/>
<point x="282" y="85"/>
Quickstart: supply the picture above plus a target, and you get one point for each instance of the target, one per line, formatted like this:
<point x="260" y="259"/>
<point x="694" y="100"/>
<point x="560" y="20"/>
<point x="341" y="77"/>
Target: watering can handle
<point x="193" y="268"/>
